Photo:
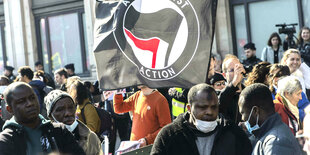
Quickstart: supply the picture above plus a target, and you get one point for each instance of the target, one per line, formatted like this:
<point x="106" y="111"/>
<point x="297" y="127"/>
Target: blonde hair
<point x="228" y="57"/>
<point x="287" y="54"/>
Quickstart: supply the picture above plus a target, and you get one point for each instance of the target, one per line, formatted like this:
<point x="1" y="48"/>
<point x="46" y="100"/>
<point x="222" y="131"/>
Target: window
<point x="241" y="35"/>
<point x="306" y="12"/>
<point x="3" y="58"/>
<point x="251" y="24"/>
<point x="62" y="41"/>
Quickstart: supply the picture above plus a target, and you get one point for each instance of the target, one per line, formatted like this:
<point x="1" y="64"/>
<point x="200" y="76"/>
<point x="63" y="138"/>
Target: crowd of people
<point x="252" y="106"/>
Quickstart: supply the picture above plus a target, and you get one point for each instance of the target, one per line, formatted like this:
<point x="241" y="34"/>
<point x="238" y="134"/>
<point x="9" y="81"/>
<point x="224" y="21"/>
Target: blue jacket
<point x="274" y="137"/>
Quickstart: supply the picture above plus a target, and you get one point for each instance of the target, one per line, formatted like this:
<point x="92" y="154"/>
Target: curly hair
<point x="258" y="74"/>
<point x="277" y="71"/>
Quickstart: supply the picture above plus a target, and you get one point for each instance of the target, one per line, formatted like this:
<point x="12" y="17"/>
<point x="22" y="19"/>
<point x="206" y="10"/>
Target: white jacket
<point x="268" y="54"/>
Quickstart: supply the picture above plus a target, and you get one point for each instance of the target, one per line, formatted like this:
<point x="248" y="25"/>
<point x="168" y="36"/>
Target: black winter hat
<point x="216" y="77"/>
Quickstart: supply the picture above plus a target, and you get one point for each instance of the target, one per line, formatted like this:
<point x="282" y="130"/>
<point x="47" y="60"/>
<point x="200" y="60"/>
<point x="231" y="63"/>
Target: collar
<point x="272" y="121"/>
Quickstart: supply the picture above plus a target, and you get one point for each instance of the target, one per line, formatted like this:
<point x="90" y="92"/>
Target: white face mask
<point x="72" y="126"/>
<point x="69" y="127"/>
<point x="204" y="126"/>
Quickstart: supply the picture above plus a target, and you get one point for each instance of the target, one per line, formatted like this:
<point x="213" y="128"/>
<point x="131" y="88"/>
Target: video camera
<point x="289" y="30"/>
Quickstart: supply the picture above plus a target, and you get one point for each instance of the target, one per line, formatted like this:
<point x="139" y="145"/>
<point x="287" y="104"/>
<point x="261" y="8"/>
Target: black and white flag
<point x="159" y="43"/>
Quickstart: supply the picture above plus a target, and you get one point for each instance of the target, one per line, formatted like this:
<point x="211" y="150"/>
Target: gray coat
<point x="268" y="54"/>
<point x="275" y="138"/>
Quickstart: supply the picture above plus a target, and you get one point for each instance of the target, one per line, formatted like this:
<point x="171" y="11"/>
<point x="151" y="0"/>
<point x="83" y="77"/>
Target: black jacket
<point x="13" y="139"/>
<point x="305" y="53"/>
<point x="179" y="138"/>
<point x="228" y="100"/>
<point x="249" y="63"/>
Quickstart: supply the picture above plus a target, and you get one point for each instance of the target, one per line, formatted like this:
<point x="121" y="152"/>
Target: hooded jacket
<point x="179" y="138"/>
<point x="13" y="138"/>
<point x="38" y="87"/>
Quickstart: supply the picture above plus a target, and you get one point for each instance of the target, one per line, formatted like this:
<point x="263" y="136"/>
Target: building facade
<point x="58" y="32"/>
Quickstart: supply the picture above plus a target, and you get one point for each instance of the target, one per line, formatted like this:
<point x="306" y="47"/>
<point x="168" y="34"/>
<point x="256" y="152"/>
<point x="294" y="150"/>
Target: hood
<point x="37" y="83"/>
<point x="14" y="124"/>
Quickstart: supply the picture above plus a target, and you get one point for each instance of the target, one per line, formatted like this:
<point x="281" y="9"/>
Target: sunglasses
<point x="219" y="83"/>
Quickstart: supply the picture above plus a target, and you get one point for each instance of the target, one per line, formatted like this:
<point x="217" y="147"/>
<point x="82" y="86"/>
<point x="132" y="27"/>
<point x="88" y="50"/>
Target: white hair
<point x="289" y="84"/>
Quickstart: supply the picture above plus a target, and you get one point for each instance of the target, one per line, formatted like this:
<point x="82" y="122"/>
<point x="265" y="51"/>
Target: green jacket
<point x="54" y="137"/>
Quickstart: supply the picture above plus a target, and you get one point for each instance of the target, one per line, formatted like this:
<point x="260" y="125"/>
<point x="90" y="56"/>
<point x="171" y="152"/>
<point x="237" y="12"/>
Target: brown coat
<point x="89" y="140"/>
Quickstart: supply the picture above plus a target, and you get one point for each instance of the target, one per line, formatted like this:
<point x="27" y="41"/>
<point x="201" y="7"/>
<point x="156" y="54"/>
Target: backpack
<point x="106" y="125"/>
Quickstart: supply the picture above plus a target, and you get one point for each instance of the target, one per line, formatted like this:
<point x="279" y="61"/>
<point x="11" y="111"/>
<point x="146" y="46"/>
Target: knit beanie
<point x="216" y="77"/>
<point x="52" y="97"/>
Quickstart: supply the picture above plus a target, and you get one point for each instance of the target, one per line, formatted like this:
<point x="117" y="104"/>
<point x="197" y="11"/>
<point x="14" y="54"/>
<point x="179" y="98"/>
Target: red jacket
<point x="287" y="116"/>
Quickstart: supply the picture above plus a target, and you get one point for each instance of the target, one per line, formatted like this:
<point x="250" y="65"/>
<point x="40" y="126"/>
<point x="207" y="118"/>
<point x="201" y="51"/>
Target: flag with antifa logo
<point x="159" y="43"/>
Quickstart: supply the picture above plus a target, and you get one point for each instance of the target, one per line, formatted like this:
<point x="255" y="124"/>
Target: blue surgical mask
<point x="248" y="125"/>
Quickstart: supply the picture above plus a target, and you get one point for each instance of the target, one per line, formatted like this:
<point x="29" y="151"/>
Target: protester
<point x="85" y="111"/>
<point x="286" y="102"/>
<point x="179" y="100"/>
<point x="277" y="72"/>
<point x="273" y="136"/>
<point x="259" y="74"/>
<point x="61" y="108"/>
<point x="233" y="72"/>
<point x="27" y="132"/>
<point x="273" y="53"/>
<point x="49" y="79"/>
<point x="201" y="130"/>
<point x="150" y="113"/>
<point x="218" y="82"/>
<point x="70" y="69"/>
<point x="211" y="70"/>
<point x="4" y="82"/>
<point x="40" y="75"/>
<point x="26" y="75"/>
<point x="61" y="77"/>
<point x="5" y="115"/>
<point x="8" y="72"/>
<point x="251" y="59"/>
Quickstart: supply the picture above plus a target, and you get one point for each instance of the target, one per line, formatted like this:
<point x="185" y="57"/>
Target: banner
<point x="159" y="43"/>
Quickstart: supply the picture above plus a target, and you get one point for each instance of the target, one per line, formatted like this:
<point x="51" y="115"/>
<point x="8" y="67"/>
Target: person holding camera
<point x="273" y="53"/>
<point x="304" y="44"/>
<point x="251" y="59"/>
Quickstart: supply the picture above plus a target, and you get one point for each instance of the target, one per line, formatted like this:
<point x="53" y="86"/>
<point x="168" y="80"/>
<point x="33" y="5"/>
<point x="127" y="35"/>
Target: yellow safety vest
<point x="177" y="106"/>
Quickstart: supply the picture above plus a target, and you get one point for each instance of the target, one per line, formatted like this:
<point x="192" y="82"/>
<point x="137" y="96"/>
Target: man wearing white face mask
<point x="201" y="130"/>
<point x="271" y="134"/>
<point x="60" y="108"/>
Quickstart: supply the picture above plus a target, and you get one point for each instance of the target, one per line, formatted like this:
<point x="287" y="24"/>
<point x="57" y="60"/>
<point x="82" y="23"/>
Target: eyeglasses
<point x="219" y="83"/>
<point x="231" y="70"/>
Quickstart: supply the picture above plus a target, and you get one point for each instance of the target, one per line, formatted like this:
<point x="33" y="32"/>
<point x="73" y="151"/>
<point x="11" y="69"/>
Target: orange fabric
<point x="150" y="114"/>
<point x="283" y="111"/>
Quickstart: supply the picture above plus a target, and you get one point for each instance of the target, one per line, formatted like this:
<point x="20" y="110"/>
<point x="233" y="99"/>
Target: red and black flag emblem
<point x="159" y="43"/>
